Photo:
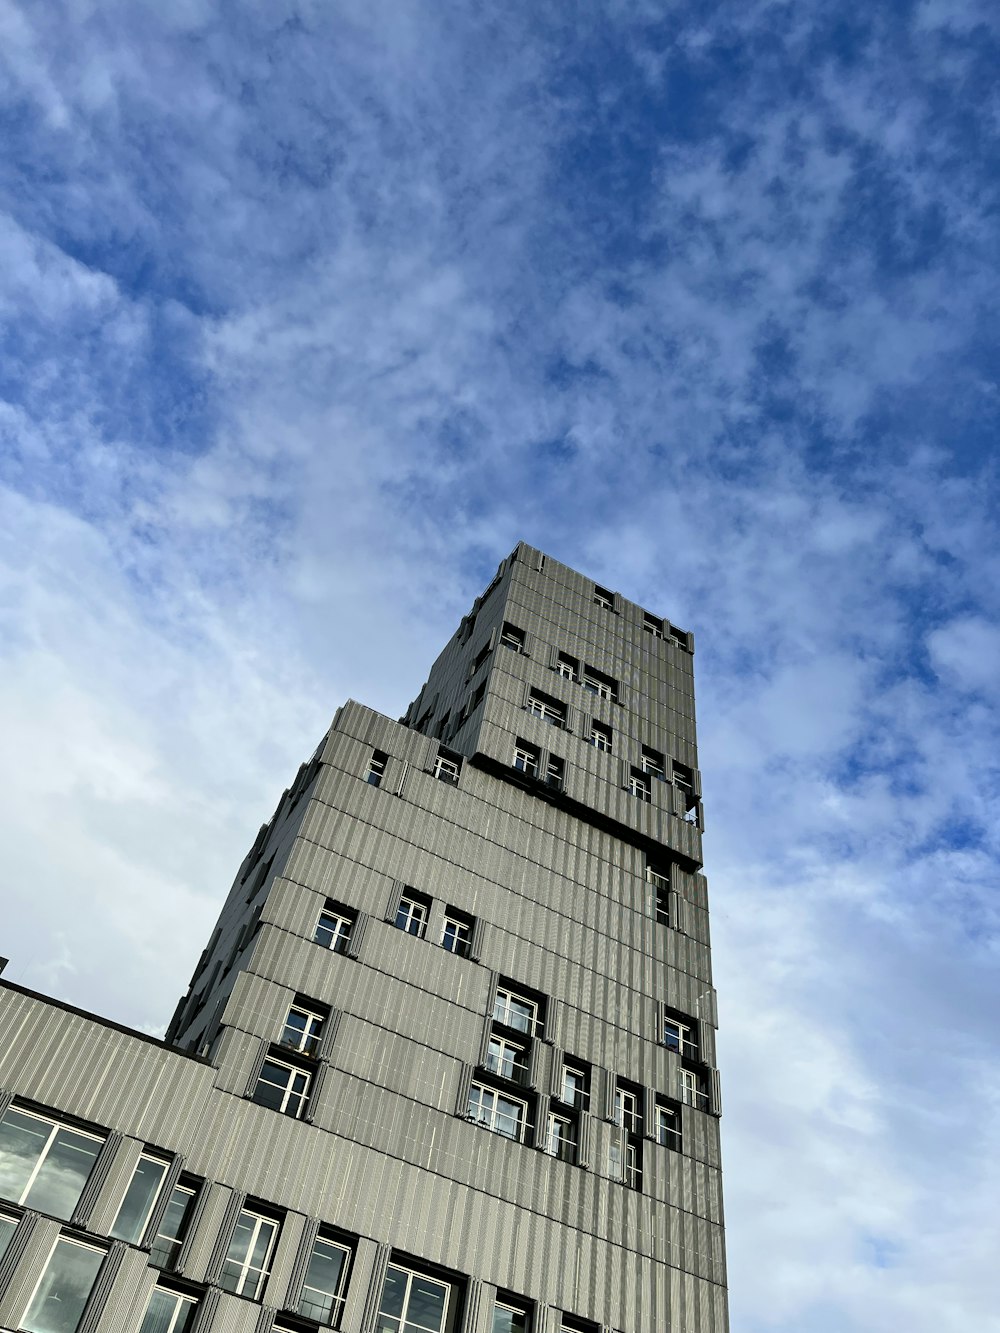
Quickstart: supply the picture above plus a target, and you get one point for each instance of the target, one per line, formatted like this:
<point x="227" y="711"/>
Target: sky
<point x="310" y="311"/>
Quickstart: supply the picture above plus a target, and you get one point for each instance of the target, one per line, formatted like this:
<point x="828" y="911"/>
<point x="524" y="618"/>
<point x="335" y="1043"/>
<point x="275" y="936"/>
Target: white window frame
<point x="513" y="638"/>
<point x="54" y="1127"/>
<point x="653" y="764"/>
<point x="603" y="598"/>
<point x="376" y="769"/>
<point x="337" y="1298"/>
<point x="579" y="1098"/>
<point x="505" y="1058"/>
<point x="413" y="911"/>
<point x="683" y="1038"/>
<point x="513" y="1309"/>
<point x="295" y="1099"/>
<point x="461" y="934"/>
<point x="554" y="1124"/>
<point x="567" y="667"/>
<point x="597" y="685"/>
<point x="693" y="1090"/>
<point x="547" y="710"/>
<point x="628" y="1112"/>
<point x="503" y="1003"/>
<point x="526" y="760"/>
<point x="244" y="1265"/>
<point x="652" y="625"/>
<point x="174" y="1242"/>
<point x="447" y="770"/>
<point x="640" y="786"/>
<point x="181" y="1299"/>
<point x="489" y="1116"/>
<point x="339" y="928"/>
<point x="404" y="1320"/>
<point x="307" y="1038"/>
<point x="601" y="737"/>
<point x="63" y="1239"/>
<point x="668" y="1128"/>
<point x="140" y="1232"/>
<point x="631" y="1166"/>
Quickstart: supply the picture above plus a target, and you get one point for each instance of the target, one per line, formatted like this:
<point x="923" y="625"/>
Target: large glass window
<point x="168" y="1312"/>
<point x="66" y="1282"/>
<point x="44" y="1164"/>
<point x="411" y="915"/>
<point x="139" y="1199"/>
<point x="326" y="1280"/>
<point x="412" y="1303"/>
<point x="508" y="1319"/>
<point x="303" y="1030"/>
<point x="283" y="1088"/>
<point x="170" y="1234"/>
<point x="248" y="1259"/>
<point x="497" y="1112"/>
<point x="507" y="1059"/>
<point x="333" y="930"/>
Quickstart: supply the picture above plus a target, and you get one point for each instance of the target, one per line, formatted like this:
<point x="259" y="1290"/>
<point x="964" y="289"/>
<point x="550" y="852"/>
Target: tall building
<point x="447" y="1063"/>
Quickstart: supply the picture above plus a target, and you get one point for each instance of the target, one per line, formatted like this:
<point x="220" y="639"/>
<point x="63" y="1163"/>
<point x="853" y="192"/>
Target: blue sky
<point x="311" y="311"/>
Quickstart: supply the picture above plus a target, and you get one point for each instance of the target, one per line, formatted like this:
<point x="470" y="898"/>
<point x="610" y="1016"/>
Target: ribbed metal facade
<point x="539" y="808"/>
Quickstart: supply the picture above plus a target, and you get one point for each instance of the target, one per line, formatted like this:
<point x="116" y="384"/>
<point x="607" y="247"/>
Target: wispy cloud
<point x="309" y="314"/>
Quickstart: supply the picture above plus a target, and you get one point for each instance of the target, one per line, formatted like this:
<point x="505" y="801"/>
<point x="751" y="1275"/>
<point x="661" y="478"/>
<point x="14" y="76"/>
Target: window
<point x="139" y="1199"/>
<point x="628" y="1112"/>
<point x="554" y="770"/>
<point x="282" y="1087"/>
<point x="8" y="1225"/>
<point x="481" y="657"/>
<point x="497" y="1112"/>
<point x="574" y="1091"/>
<point x="639" y="785"/>
<point x="412" y="914"/>
<point x="62" y="1291"/>
<point x="679" y="637"/>
<point x="570" y="1325"/>
<point x="604" y="598"/>
<point x="303" y="1030"/>
<point x="248" y="1259"/>
<point x="447" y="768"/>
<point x="510" y="1318"/>
<point x="652" y="625"/>
<point x="325" y="1282"/>
<point x="652" y="763"/>
<point x="457" y="937"/>
<point x="600" y="737"/>
<point x="693" y="1089"/>
<point x="684" y="779"/>
<point x="680" y="1037"/>
<point x="560" y="1140"/>
<point x="44" y="1164"/>
<point x="660" y="880"/>
<point x="668" y="1126"/>
<point x="514" y="1011"/>
<point x="507" y="1060"/>
<point x="512" y="637"/>
<point x="632" y="1173"/>
<point x="168" y="1312"/>
<point x="597" y="683"/>
<point x="376" y="768"/>
<point x="549" y="710"/>
<point x="568" y="667"/>
<point x="333" y="929"/>
<point x="412" y="1303"/>
<point x="173" y="1229"/>
<point x="527" y="758"/>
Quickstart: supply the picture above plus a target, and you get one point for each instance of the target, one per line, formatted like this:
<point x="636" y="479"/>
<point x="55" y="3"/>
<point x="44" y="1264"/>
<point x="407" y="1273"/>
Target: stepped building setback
<point x="447" y="1063"/>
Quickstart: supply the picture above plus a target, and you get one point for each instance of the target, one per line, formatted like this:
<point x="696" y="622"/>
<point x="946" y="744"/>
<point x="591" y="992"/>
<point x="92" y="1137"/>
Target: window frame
<point x="597" y="683"/>
<point x="492" y="1120"/>
<point x="63" y="1238"/>
<point x="448" y="768"/>
<point x="508" y="1304"/>
<point x="294" y="1101"/>
<point x="668" y="1126"/>
<point x="412" y="908"/>
<point x="402" y="1318"/>
<point x="685" y="1040"/>
<point x="546" y="709"/>
<point x="568" y="668"/>
<point x="463" y="943"/>
<point x="580" y="1100"/>
<point x="641" y="786"/>
<point x="565" y="1145"/>
<point x="520" y="998"/>
<point x="694" y="1092"/>
<point x="507" y="1056"/>
<point x="56" y="1126"/>
<point x="140" y="1231"/>
<point x="527" y="758"/>
<point x="629" y="1121"/>
<point x="653" y="763"/>
<point x="376" y="768"/>
<point x="604" y="598"/>
<point x="182" y="1298"/>
<point x="309" y="1039"/>
<point x="340" y="939"/>
<point x="245" y="1266"/>
<point x="191" y="1187"/>
<point x="512" y="637"/>
<point x="338" y="1298"/>
<point x="601" y="737"/>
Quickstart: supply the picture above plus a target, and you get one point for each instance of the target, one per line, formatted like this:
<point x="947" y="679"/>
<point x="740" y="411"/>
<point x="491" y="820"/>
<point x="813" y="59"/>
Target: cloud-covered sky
<point x="310" y="311"/>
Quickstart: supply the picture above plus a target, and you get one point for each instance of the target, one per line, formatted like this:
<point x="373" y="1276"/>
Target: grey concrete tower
<point x="447" y="1064"/>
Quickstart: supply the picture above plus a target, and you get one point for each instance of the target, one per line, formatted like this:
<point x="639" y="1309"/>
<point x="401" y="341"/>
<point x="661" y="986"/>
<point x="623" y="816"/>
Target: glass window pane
<point x="139" y="1198"/>
<point x="160" y="1312"/>
<point x="506" y="1320"/>
<point x="58" y="1303"/>
<point x="60" y="1180"/>
<point x="22" y="1140"/>
<point x="393" y="1293"/>
<point x="427" y="1302"/>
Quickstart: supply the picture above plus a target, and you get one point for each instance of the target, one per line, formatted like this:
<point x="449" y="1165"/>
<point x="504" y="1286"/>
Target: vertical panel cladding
<point x="204" y="1231"/>
<point x="240" y="1056"/>
<point x="300" y="1265"/>
<point x="234" y="1315"/>
<point x="258" y="1005"/>
<point x="128" y="1298"/>
<point x="100" y="1292"/>
<point x="16" y="1247"/>
<point x="287" y="1263"/>
<point x="34" y="1256"/>
<point x="112" y="1191"/>
<point x="97" y="1178"/>
<point x="373" y="1261"/>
